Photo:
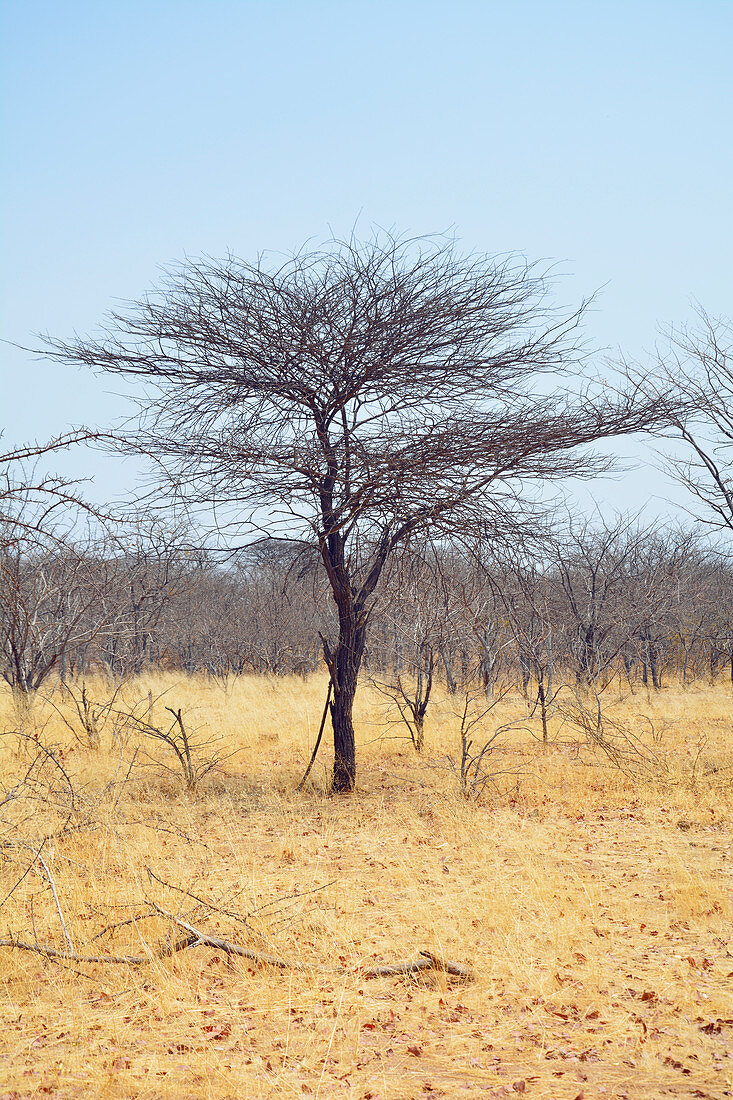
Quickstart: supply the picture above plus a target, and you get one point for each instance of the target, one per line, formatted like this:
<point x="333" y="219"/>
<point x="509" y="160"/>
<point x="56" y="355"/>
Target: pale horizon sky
<point x="134" y="134"/>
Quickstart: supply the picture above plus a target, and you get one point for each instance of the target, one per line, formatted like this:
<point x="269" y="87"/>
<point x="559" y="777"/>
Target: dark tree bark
<point x="344" y="663"/>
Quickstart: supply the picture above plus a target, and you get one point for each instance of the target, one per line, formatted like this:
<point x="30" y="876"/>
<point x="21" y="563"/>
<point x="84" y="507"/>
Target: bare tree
<point x="73" y="597"/>
<point x="593" y="563"/>
<point x="477" y="585"/>
<point x="659" y="581"/>
<point x="354" y="397"/>
<point x="46" y="597"/>
<point x="145" y="570"/>
<point x="530" y="593"/>
<point x="719" y="621"/>
<point x="415" y="612"/>
<point x="260" y="612"/>
<point x="476" y="767"/>
<point x="47" y="584"/>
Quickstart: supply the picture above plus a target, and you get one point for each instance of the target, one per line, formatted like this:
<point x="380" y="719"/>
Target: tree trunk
<point x="344" y="664"/>
<point x="344" y="744"/>
<point x="423" y="688"/>
<point x="487" y="671"/>
<point x="543" y="708"/>
<point x="525" y="670"/>
<point x="650" y="665"/>
<point x="628" y="669"/>
<point x="713" y="665"/>
<point x="654" y="667"/>
<point x="419" y="732"/>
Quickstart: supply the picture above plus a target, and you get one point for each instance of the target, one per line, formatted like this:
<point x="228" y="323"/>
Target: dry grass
<point x="594" y="907"/>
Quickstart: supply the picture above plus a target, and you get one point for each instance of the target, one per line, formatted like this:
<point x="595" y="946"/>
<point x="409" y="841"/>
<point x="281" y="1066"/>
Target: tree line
<point x="601" y="600"/>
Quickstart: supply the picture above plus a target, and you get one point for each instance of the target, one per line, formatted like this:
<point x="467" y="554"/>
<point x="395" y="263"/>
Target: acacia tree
<point x="353" y="398"/>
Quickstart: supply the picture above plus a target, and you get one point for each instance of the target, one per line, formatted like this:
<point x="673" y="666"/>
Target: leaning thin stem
<point x="51" y="883"/>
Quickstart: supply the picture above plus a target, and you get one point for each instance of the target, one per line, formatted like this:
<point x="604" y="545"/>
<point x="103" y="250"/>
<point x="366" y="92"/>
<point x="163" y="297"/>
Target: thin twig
<point x="228" y="912"/>
<point x="121" y="924"/>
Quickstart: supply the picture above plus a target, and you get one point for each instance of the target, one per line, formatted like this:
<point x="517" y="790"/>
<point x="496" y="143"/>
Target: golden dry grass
<point x="594" y="907"/>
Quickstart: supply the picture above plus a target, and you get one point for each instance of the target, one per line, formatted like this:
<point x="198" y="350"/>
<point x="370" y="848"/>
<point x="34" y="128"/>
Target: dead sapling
<point x="411" y="696"/>
<point x="221" y="675"/>
<point x="92" y="716"/>
<point x="544" y="703"/>
<point x="476" y="767"/>
<point x="614" y="740"/>
<point x="194" y="757"/>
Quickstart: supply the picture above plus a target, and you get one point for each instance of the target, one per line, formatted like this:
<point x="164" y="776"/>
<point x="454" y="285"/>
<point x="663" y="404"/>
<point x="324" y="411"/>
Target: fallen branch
<point x="224" y="945"/>
<point x="427" y="961"/>
<point x="197" y="938"/>
<point x="397" y="968"/>
<point x="123" y="960"/>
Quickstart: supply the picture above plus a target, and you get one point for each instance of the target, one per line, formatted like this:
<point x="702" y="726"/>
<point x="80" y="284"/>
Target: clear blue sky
<point x="597" y="134"/>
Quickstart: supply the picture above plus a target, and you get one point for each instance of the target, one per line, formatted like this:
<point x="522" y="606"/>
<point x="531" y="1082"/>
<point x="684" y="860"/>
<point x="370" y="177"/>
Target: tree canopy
<point x="355" y="396"/>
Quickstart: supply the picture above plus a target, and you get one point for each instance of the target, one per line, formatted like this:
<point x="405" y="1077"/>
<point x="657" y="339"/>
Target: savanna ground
<point x="593" y="906"/>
